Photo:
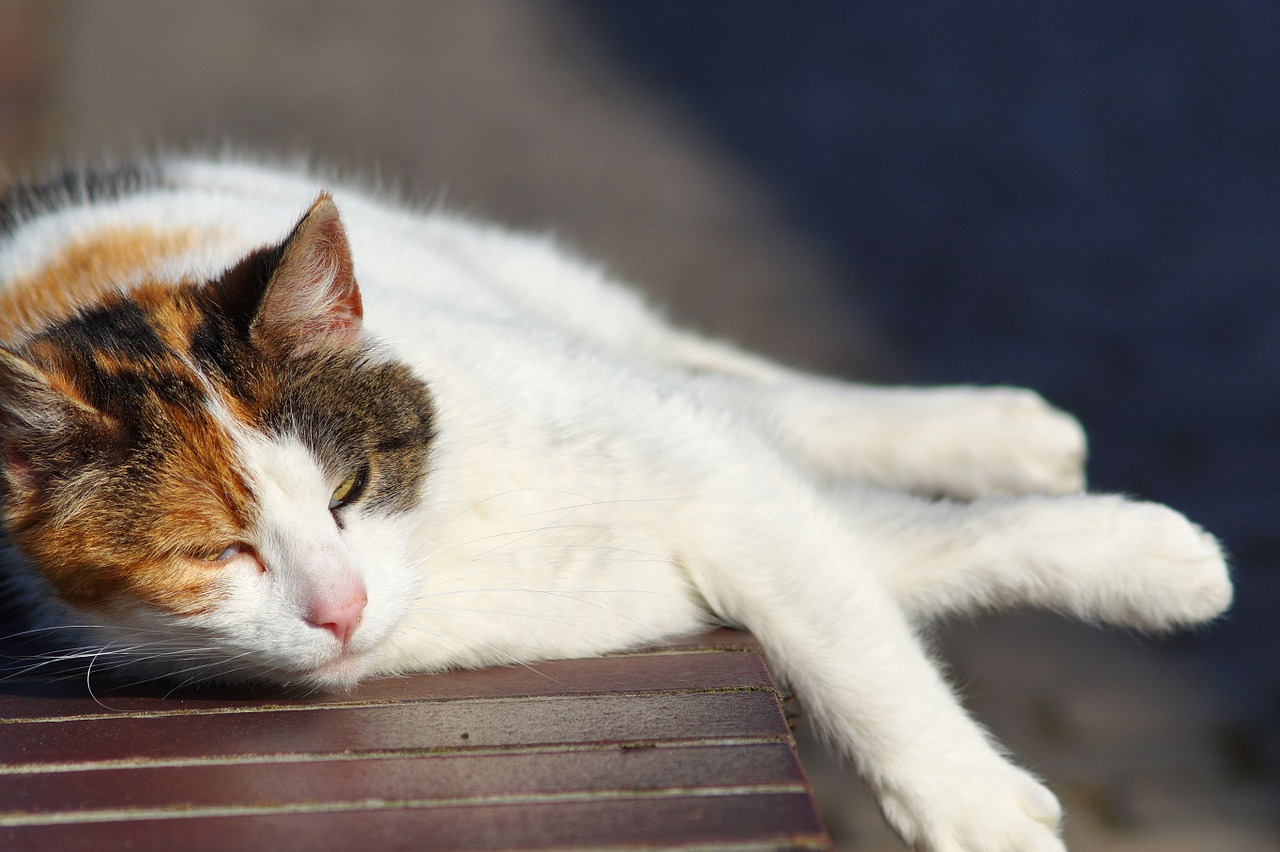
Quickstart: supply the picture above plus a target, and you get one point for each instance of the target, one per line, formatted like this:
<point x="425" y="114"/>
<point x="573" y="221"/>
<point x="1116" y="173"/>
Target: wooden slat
<point x="654" y="672"/>
<point x="605" y="770"/>
<point x="748" y="821"/>
<point x="680" y="745"/>
<point x="415" y="726"/>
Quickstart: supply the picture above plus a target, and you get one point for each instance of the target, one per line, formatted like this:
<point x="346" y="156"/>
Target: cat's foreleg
<point x="1096" y="557"/>
<point x="803" y="584"/>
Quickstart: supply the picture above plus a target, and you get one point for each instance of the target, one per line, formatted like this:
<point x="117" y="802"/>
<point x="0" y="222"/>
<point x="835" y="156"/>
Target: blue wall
<point x="1082" y="198"/>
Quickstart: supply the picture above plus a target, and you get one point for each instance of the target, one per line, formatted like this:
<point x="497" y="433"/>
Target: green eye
<point x="349" y="489"/>
<point x="224" y="553"/>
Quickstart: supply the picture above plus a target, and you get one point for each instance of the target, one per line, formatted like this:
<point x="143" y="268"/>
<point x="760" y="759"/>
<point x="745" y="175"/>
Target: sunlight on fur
<point x="259" y="426"/>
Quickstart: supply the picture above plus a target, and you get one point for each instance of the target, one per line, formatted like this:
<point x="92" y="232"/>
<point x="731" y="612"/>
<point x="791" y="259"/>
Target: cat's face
<point x="218" y="475"/>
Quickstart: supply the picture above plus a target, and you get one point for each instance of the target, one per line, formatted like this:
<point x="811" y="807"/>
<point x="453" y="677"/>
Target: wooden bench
<point x="685" y="745"/>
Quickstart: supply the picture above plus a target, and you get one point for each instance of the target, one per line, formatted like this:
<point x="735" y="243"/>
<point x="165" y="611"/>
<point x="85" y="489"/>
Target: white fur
<point x="601" y="480"/>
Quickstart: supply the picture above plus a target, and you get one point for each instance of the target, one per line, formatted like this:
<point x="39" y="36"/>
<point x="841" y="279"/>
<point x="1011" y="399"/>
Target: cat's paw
<point x="994" y="807"/>
<point x="962" y="442"/>
<point x="1171" y="573"/>
<point x="1013" y="442"/>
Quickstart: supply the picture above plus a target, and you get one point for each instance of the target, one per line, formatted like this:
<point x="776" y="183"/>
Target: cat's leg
<point x="960" y="441"/>
<point x="834" y="584"/>
<point x="963" y="442"/>
<point x="804" y="585"/>
<point x="1097" y="557"/>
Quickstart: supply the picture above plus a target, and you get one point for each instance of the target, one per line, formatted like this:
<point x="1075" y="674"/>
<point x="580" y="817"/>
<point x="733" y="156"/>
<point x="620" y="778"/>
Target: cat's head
<point x="216" y="477"/>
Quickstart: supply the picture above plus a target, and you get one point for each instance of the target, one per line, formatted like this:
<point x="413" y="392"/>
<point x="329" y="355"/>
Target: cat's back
<point x="68" y="240"/>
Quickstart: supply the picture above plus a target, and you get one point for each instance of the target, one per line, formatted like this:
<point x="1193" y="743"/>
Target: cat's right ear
<point x="300" y="296"/>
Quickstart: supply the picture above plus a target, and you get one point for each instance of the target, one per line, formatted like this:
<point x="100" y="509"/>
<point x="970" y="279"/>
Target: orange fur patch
<point x="87" y="269"/>
<point x="116" y="497"/>
<point x="138" y="532"/>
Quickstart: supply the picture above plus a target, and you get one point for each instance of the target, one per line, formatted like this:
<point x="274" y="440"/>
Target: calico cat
<point x="242" y="445"/>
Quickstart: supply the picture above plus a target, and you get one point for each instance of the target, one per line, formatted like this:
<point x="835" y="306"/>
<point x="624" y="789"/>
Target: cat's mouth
<point x="343" y="672"/>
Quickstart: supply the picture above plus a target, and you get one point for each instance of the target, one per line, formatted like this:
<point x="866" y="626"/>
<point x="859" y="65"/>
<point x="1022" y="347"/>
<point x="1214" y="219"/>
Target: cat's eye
<point x="349" y="489"/>
<point x="224" y="554"/>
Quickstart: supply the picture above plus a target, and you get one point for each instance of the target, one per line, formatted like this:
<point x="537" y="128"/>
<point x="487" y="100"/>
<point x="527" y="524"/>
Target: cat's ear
<point x="300" y="296"/>
<point x="35" y="407"/>
<point x="32" y="399"/>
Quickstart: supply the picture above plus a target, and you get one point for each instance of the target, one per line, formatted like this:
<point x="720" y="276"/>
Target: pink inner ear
<point x="313" y="300"/>
<point x="328" y="306"/>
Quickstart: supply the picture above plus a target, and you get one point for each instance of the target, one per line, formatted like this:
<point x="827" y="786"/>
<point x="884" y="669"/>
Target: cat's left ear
<point x="310" y="300"/>
<point x="40" y="409"/>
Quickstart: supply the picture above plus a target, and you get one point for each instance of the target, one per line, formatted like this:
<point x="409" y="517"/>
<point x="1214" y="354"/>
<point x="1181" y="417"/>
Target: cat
<point x="259" y="426"/>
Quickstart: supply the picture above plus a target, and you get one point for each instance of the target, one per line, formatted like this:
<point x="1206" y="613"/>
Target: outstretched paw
<point x="1171" y="573"/>
<point x="990" y="808"/>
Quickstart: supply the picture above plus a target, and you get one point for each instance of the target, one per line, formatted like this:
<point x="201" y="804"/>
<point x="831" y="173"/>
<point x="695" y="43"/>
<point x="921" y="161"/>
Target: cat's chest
<point x="542" y="571"/>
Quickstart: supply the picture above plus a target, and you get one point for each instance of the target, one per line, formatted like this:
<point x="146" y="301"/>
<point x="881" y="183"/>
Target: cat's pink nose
<point x="340" y="619"/>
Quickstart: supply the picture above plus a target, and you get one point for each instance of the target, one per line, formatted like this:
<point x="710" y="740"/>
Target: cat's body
<point x="488" y="453"/>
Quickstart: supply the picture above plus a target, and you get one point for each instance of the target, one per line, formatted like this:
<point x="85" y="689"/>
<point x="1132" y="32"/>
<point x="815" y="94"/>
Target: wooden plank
<point x="633" y="674"/>
<point x="750" y="821"/>
<point x="416" y="726"/>
<point x="683" y="745"/>
<point x="613" y="770"/>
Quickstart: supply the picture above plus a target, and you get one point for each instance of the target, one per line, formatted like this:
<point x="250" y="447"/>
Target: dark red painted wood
<point x="655" y="672"/>
<point x="682" y="745"/>
<point x="417" y="726"/>
<point x="769" y="820"/>
<point x="618" y="770"/>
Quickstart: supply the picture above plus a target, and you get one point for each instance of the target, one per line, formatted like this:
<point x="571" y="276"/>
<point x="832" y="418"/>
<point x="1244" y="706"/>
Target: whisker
<point x="88" y="684"/>
<point x="221" y="672"/>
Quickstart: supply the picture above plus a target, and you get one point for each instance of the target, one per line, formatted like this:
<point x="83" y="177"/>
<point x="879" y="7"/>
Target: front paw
<point x="989" y="806"/>
<point x="1170" y="572"/>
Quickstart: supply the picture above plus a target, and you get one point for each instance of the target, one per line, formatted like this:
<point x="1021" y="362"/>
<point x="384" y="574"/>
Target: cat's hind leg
<point x="1096" y="557"/>
<point x="959" y="441"/>
<point x="964" y="442"/>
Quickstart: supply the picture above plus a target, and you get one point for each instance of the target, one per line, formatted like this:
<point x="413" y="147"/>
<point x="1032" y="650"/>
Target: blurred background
<point x="1079" y="198"/>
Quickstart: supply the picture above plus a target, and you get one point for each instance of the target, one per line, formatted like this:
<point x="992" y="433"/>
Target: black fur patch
<point x="353" y="411"/>
<point x="349" y="408"/>
<point x="345" y="406"/>
<point x="120" y="361"/>
<point x="24" y="199"/>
